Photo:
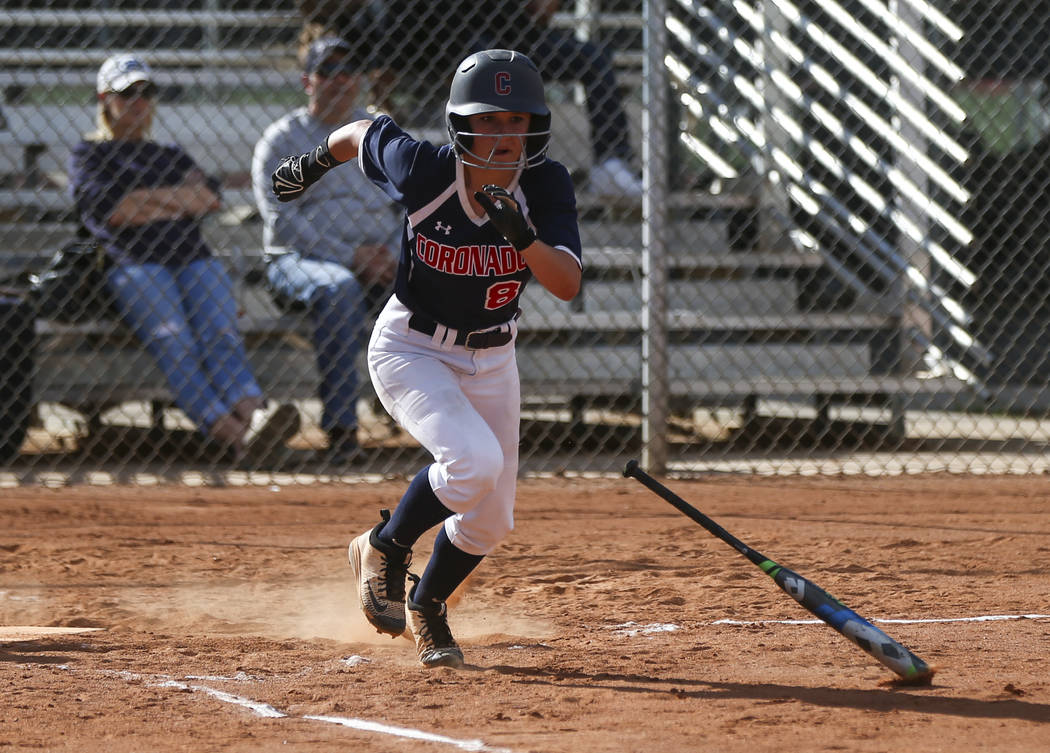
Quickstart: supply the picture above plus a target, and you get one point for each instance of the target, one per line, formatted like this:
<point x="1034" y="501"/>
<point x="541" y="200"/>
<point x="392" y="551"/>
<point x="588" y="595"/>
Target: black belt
<point x="490" y="338"/>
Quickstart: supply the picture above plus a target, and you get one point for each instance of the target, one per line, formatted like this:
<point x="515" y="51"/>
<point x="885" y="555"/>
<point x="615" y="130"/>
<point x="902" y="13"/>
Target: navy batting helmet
<point x="498" y="81"/>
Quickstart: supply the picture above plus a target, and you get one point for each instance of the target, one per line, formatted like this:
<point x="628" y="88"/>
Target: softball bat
<point x="911" y="670"/>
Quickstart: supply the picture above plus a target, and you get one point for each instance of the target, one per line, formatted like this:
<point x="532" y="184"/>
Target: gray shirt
<point x="335" y="215"/>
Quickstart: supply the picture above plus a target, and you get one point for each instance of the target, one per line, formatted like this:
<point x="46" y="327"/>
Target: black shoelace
<point x="435" y="630"/>
<point x="394" y="574"/>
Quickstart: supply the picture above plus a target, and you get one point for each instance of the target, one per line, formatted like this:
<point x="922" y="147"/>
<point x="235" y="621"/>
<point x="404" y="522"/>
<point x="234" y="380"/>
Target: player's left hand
<point x="506" y="215"/>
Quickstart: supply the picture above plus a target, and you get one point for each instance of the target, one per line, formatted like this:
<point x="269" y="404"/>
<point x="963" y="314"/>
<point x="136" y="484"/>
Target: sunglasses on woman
<point x="145" y="90"/>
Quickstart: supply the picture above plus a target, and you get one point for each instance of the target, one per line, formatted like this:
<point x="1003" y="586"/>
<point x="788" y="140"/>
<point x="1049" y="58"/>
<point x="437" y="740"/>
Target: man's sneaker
<point x="614" y="178"/>
<point x="379" y="572"/>
<point x="266" y="435"/>
<point x="343" y="448"/>
<point x="434" y="641"/>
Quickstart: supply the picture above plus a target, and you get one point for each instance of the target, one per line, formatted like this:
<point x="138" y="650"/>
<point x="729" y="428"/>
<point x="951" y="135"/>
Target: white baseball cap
<point x="121" y="71"/>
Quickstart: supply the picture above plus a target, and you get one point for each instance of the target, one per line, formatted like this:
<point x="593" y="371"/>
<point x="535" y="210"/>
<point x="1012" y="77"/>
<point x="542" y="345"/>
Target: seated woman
<point x="143" y="201"/>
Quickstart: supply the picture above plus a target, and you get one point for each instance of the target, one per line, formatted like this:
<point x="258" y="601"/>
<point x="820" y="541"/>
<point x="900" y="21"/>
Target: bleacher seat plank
<point x="685" y="320"/>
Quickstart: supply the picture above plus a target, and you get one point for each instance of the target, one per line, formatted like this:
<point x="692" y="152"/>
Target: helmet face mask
<point x="533" y="146"/>
<point x="498" y="81"/>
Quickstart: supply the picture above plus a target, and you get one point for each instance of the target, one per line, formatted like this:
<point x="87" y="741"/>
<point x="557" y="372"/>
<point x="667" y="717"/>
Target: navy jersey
<point x="102" y="172"/>
<point x="455" y="267"/>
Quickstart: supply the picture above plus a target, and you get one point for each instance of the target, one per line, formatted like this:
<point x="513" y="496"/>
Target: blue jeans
<point x="335" y="303"/>
<point x="186" y="317"/>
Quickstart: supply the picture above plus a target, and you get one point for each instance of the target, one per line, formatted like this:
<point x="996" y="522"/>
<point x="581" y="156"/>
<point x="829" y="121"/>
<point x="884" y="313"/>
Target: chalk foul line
<point x="978" y="618"/>
<point x="257" y="707"/>
<point x="266" y="710"/>
<point x="413" y="734"/>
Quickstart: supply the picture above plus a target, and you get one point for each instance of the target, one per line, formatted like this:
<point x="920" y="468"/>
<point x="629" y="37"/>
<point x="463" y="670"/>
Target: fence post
<point x="773" y="205"/>
<point x="913" y="318"/>
<point x="655" y="392"/>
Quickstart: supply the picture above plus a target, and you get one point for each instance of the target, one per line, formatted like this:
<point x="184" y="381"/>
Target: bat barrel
<point x="888" y="651"/>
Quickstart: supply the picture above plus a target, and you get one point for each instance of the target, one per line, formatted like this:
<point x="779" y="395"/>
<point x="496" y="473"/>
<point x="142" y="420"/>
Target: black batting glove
<point x="295" y="174"/>
<point x="506" y="216"/>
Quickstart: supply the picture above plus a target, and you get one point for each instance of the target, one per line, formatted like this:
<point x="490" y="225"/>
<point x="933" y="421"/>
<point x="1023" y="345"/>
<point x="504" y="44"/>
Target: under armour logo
<point x="446" y="229"/>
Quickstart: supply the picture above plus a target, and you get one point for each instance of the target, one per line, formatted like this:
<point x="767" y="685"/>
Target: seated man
<point x="331" y="249"/>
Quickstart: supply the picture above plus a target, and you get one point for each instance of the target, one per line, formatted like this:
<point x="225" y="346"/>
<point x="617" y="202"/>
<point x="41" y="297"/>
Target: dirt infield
<point x="606" y="622"/>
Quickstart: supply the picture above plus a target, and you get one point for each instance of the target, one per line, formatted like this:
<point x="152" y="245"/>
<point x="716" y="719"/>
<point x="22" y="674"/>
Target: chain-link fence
<point x="815" y="234"/>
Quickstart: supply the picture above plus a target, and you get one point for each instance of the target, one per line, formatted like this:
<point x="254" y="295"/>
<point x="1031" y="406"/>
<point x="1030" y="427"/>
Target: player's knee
<point x="472" y="478"/>
<point x="482" y="539"/>
<point x="502" y="526"/>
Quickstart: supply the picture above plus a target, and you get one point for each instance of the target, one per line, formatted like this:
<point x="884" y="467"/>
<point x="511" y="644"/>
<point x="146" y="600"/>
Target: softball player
<point x="484" y="215"/>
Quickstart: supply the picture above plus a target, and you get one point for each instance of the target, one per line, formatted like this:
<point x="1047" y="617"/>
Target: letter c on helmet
<point x="503" y="83"/>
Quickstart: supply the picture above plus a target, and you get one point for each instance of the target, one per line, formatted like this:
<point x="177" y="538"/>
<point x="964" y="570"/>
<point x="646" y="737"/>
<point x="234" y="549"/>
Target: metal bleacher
<point x="89" y="366"/>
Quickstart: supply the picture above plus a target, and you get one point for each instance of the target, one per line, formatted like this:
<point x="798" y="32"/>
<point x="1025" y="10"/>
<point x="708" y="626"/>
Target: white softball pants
<point x="464" y="407"/>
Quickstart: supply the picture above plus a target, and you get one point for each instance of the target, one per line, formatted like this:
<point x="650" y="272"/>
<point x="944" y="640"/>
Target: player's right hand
<point x="295" y="174"/>
<point x="288" y="179"/>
